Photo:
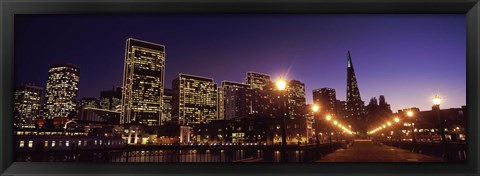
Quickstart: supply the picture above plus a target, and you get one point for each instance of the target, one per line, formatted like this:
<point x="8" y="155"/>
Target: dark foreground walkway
<point x="367" y="151"/>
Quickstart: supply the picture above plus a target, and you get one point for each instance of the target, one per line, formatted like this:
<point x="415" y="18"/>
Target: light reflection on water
<point x="190" y="156"/>
<point x="209" y="156"/>
<point x="173" y="156"/>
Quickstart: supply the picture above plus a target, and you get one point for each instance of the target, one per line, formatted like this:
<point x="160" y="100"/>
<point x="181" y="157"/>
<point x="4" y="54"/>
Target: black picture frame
<point x="8" y="9"/>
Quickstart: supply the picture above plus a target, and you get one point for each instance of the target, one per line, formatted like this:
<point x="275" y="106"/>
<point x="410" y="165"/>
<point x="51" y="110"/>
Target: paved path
<point x="367" y="151"/>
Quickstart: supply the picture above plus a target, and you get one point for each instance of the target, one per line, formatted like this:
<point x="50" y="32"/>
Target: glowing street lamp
<point x="437" y="100"/>
<point x="328" y="117"/>
<point x="414" y="140"/>
<point x="315" y="109"/>
<point x="409" y="113"/>
<point x="397" y="120"/>
<point x="436" y="106"/>
<point x="281" y="86"/>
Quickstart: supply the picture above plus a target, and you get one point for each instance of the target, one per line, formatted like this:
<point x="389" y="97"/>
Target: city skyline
<point x="367" y="75"/>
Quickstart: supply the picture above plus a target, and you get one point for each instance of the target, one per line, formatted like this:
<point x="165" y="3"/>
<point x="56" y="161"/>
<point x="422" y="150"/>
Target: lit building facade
<point x="143" y="79"/>
<point x="167" y="105"/>
<point x="355" y="105"/>
<point x="264" y="102"/>
<point x="257" y="80"/>
<point x="326" y="99"/>
<point x="296" y="98"/>
<point x="88" y="102"/>
<point x="111" y="99"/>
<point x="27" y="103"/>
<point x="233" y="100"/>
<point x="61" y="91"/>
<point x="195" y="99"/>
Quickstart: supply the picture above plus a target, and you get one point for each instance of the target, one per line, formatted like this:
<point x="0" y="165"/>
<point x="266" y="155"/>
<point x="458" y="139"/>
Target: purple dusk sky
<point x="407" y="58"/>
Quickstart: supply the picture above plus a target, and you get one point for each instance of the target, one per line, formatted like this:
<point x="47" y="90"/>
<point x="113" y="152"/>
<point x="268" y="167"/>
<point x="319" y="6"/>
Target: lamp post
<point x="315" y="109"/>
<point x="329" y="118"/>
<point x="436" y="106"/>
<point x="414" y="140"/>
<point x="397" y="120"/>
<point x="281" y="85"/>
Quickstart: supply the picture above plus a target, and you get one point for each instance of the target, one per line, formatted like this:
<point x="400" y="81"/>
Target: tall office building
<point x="167" y="105"/>
<point x="341" y="108"/>
<point x="195" y="99"/>
<point x="61" y="91"/>
<point x="355" y="105"/>
<point x="326" y="99"/>
<point x="111" y="99"/>
<point x="232" y="100"/>
<point x="143" y="79"/>
<point x="257" y="80"/>
<point x="296" y="98"/>
<point x="265" y="102"/>
<point x="27" y="102"/>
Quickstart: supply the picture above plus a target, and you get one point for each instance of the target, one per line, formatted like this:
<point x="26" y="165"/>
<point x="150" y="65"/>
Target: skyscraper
<point x="296" y="98"/>
<point x="355" y="105"/>
<point x="326" y="99"/>
<point x="195" y="99"/>
<point x="111" y="99"/>
<point x="233" y="100"/>
<point x="167" y="105"/>
<point x="61" y="91"/>
<point x="143" y="79"/>
<point x="27" y="102"/>
<point x="257" y="80"/>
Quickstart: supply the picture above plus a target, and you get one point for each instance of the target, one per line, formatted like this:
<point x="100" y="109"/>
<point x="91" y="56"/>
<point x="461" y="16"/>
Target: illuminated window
<point x="46" y="144"/>
<point x="22" y="144"/>
<point x="67" y="143"/>
<point x="53" y="143"/>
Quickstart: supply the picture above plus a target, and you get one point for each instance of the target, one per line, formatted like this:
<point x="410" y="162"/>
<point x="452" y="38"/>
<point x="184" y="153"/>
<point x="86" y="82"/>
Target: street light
<point x="281" y="86"/>
<point x="397" y="120"/>
<point x="414" y="140"/>
<point x="315" y="109"/>
<point x="409" y="113"/>
<point x="328" y="117"/>
<point x="437" y="100"/>
<point x="436" y="106"/>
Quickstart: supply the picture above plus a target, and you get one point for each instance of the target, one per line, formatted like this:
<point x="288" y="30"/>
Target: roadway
<point x="367" y="151"/>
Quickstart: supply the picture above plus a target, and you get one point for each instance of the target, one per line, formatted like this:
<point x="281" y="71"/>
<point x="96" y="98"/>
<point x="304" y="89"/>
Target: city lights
<point x="409" y="113"/>
<point x="281" y="84"/>
<point x="437" y="100"/>
<point x="315" y="108"/>
<point x="328" y="117"/>
<point x="143" y="118"/>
